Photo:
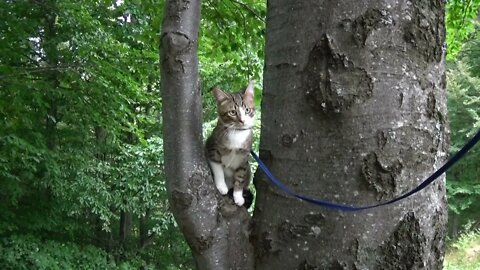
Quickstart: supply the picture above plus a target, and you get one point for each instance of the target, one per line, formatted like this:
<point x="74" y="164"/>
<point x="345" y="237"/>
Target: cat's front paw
<point x="222" y="188"/>
<point x="238" y="198"/>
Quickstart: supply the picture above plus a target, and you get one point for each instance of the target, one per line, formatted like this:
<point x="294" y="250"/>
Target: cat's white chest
<point x="237" y="138"/>
<point x="232" y="160"/>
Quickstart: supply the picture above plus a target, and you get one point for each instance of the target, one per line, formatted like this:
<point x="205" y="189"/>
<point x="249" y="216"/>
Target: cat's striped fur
<point x="229" y="145"/>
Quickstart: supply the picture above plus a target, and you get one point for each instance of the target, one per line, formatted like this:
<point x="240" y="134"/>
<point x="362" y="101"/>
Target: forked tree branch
<point x="216" y="230"/>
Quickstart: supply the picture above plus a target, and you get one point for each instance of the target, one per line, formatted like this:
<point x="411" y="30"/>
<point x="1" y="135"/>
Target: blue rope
<point x="343" y="207"/>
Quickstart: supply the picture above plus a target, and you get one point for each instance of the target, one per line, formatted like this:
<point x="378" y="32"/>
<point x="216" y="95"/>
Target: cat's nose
<point x="241" y="118"/>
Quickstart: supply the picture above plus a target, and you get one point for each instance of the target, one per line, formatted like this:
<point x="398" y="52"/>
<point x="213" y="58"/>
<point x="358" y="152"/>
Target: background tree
<point x="463" y="181"/>
<point x="79" y="162"/>
<point x="460" y="21"/>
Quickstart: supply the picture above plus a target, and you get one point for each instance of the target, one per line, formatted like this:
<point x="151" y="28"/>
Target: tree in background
<point x="79" y="159"/>
<point x="460" y="22"/>
<point x="463" y="181"/>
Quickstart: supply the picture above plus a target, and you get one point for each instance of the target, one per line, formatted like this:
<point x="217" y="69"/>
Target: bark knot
<point x="203" y="242"/>
<point x="381" y="175"/>
<point x="369" y="21"/>
<point x="288" y="231"/>
<point x="424" y="30"/>
<point x="263" y="244"/>
<point x="331" y="81"/>
<point x="181" y="200"/>
<point x="176" y="46"/>
<point x="405" y="247"/>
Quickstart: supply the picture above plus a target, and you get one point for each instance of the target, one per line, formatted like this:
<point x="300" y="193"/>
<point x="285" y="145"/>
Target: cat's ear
<point x="219" y="94"/>
<point x="249" y="92"/>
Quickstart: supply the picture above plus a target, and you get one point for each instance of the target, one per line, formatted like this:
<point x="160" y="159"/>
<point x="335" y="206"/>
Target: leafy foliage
<point x="29" y="252"/>
<point x="460" y="23"/>
<point x="81" y="159"/>
<point x="231" y="48"/>
<point x="463" y="181"/>
<point x="464" y="252"/>
<point x="81" y="150"/>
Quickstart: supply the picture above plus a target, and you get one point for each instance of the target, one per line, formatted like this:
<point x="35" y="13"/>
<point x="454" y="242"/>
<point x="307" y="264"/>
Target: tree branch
<point x="247" y="7"/>
<point x="216" y="230"/>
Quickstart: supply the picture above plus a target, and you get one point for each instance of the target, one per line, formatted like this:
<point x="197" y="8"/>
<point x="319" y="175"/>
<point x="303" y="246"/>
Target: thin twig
<point x="246" y="50"/>
<point x="254" y="12"/>
<point x="30" y="70"/>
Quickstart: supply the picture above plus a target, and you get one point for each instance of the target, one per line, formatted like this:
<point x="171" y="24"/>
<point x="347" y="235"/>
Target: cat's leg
<point x="240" y="181"/>
<point x="238" y="197"/>
<point x="218" y="177"/>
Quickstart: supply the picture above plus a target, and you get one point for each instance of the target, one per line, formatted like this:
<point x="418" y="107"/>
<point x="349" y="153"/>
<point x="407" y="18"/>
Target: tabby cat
<point x="229" y="145"/>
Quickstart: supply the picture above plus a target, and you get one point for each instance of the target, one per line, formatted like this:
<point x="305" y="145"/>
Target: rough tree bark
<point x="216" y="230"/>
<point x="354" y="111"/>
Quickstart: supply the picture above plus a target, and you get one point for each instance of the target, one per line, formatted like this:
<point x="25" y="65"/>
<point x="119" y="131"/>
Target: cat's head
<point x="235" y="110"/>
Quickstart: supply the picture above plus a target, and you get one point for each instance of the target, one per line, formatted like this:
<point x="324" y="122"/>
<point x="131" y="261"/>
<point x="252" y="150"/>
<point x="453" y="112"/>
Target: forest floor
<point x="464" y="254"/>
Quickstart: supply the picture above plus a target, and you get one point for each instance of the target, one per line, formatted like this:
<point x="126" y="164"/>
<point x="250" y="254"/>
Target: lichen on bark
<point x="405" y="248"/>
<point x="369" y="21"/>
<point x="380" y="176"/>
<point x="424" y="29"/>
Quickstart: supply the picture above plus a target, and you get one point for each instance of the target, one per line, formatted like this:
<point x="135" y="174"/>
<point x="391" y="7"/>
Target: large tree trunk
<point x="354" y="111"/>
<point x="215" y="229"/>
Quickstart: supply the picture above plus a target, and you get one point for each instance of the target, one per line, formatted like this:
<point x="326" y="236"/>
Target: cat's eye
<point x="232" y="113"/>
<point x="248" y="110"/>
